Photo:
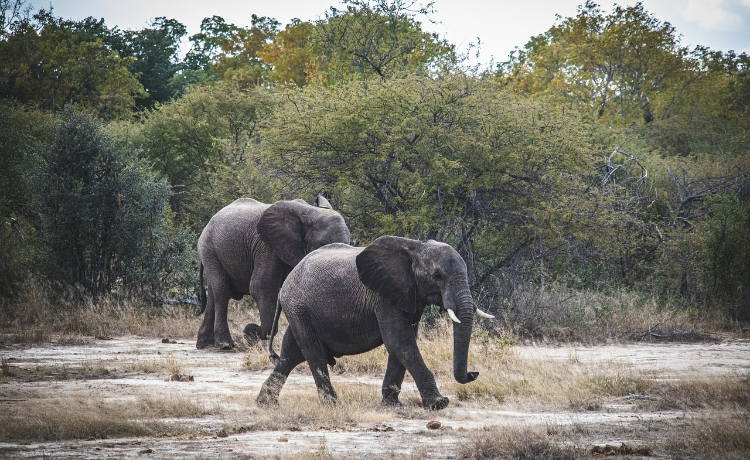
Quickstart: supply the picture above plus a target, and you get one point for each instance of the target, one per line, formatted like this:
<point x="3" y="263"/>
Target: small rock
<point x="434" y="425"/>
<point x="283" y="439"/>
<point x="222" y="434"/>
<point x="146" y="451"/>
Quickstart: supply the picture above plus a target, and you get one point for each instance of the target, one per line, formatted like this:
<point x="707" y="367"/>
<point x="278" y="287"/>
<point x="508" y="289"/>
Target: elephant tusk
<point x="453" y="316"/>
<point x="483" y="314"/>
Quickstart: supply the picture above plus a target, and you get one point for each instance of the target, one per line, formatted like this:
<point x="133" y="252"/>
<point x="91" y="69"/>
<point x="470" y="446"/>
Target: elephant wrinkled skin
<point x="341" y="300"/>
<point x="250" y="247"/>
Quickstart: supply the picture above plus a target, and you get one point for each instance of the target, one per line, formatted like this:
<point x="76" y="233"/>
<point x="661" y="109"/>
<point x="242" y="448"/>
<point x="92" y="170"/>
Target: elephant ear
<point x="385" y="268"/>
<point x="321" y="202"/>
<point x="280" y="227"/>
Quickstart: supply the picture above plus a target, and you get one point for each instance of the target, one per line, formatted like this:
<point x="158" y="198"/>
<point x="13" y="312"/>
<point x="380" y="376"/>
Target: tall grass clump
<point x="43" y="310"/>
<point x="524" y="442"/>
<point x="562" y="314"/>
<point x="718" y="435"/>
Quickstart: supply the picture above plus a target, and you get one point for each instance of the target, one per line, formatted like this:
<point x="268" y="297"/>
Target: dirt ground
<point x="226" y="373"/>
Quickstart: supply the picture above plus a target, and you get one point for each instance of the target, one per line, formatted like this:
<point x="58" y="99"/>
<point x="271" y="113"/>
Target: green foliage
<point x="290" y="56"/>
<point x="48" y="62"/>
<point x="378" y="38"/>
<point x="152" y="54"/>
<point x="20" y="129"/>
<point x="452" y="158"/>
<point x="204" y="144"/>
<point x="104" y="220"/>
<point x="603" y="155"/>
<point x="710" y="115"/>
<point x="231" y="52"/>
<point x="727" y="252"/>
<point x="617" y="67"/>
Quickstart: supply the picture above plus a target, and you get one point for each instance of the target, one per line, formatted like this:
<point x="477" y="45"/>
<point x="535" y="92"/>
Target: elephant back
<point x="232" y="225"/>
<point x="328" y="272"/>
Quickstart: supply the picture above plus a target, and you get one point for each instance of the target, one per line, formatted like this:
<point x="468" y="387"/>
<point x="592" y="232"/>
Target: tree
<point x="377" y="38"/>
<point x="451" y="158"/>
<point x="290" y="55"/>
<point x="20" y="130"/>
<point x="49" y="62"/>
<point x="231" y="52"/>
<point x="104" y="219"/>
<point x="710" y="115"/>
<point x="153" y="57"/>
<point x="623" y="67"/>
<point x="205" y="145"/>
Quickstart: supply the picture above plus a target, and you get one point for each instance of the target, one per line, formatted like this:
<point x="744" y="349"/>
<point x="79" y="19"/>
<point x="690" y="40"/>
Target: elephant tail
<point x="201" y="292"/>
<point x="274" y="329"/>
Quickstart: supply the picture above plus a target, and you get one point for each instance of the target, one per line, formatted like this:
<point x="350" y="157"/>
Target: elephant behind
<point x="250" y="247"/>
<point x="341" y="300"/>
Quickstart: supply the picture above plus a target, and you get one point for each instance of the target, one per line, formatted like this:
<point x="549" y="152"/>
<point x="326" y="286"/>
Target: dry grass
<point x="42" y="312"/>
<point x="705" y="392"/>
<point x="358" y="403"/>
<point x="524" y="442"/>
<point x="715" y="435"/>
<point x="566" y="315"/>
<point x="84" y="418"/>
<point x="34" y="316"/>
<point x="507" y="378"/>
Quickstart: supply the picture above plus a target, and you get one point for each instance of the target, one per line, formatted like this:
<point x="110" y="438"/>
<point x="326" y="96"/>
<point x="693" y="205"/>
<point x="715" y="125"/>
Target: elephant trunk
<point x="460" y="301"/>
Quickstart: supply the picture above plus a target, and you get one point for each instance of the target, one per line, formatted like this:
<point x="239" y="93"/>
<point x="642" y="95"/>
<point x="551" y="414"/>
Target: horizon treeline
<point x="602" y="155"/>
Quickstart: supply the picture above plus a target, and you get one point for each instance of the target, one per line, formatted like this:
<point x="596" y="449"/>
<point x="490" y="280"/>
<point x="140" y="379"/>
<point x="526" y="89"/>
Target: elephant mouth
<point x="434" y="298"/>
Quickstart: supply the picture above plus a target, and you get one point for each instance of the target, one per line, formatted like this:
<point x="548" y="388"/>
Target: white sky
<point x="501" y="25"/>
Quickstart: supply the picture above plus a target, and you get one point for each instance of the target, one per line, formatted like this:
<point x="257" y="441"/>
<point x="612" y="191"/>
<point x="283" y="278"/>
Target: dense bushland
<point x="581" y="165"/>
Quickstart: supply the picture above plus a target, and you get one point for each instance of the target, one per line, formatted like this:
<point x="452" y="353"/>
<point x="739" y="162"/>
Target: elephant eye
<point x="437" y="275"/>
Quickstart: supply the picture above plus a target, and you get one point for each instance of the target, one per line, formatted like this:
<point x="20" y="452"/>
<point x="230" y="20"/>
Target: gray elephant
<point x="341" y="300"/>
<point x="250" y="247"/>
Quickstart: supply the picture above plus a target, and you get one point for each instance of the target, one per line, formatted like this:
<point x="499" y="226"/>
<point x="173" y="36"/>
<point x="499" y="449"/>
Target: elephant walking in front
<point x="341" y="300"/>
<point x="250" y="247"/>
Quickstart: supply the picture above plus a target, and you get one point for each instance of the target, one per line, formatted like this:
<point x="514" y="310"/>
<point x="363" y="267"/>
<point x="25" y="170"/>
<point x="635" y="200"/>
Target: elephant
<point x="343" y="300"/>
<point x="250" y="247"/>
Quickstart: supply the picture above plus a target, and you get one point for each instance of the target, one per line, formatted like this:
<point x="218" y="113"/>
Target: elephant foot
<point x="253" y="334"/>
<point x="390" y="396"/>
<point x="269" y="392"/>
<point x="438" y="403"/>
<point x="204" y="343"/>
<point x="266" y="399"/>
<point x="327" y="396"/>
<point x="224" y="344"/>
<point x="392" y="403"/>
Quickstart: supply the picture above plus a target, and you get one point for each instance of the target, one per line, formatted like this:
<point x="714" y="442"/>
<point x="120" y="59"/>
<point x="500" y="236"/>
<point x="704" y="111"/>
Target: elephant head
<point x="409" y="274"/>
<point x="295" y="228"/>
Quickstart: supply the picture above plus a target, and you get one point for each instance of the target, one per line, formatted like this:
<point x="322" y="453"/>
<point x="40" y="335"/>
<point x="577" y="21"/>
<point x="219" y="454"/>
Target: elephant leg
<point x="394" y="377"/>
<point x="400" y="340"/>
<point x="319" y="368"/>
<point x="266" y="301"/>
<point x="206" y="331"/>
<point x="265" y="283"/>
<point x="222" y="337"/>
<point x="316" y="356"/>
<point x="291" y="357"/>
